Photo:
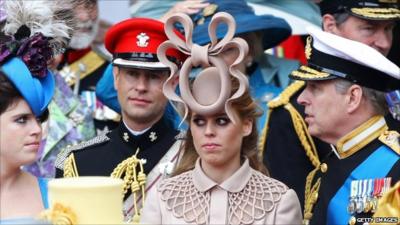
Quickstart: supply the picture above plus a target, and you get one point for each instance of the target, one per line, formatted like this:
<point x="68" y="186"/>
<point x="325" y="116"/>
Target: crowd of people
<point x="201" y="123"/>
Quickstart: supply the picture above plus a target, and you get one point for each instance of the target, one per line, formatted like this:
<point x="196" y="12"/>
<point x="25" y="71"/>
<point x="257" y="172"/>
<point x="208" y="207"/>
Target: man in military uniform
<point x="84" y="62"/>
<point x="289" y="151"/>
<point x="344" y="101"/>
<point x="144" y="146"/>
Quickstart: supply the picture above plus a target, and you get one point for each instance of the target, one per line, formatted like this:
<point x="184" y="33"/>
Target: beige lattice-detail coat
<point x="247" y="197"/>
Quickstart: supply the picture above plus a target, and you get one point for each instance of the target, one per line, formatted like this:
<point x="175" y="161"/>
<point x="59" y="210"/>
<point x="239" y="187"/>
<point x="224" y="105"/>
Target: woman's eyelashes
<point x="219" y="121"/>
<point x="222" y="121"/>
<point x="21" y="119"/>
<point x="198" y="121"/>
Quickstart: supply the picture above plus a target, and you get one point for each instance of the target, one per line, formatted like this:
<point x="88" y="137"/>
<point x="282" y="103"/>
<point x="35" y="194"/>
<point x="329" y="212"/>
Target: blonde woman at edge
<point x="220" y="179"/>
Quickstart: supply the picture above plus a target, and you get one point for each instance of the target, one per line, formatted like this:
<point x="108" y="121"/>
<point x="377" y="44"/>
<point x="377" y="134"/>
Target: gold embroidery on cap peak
<point x="388" y="1"/>
<point x="307" y="72"/>
<point x="378" y="12"/>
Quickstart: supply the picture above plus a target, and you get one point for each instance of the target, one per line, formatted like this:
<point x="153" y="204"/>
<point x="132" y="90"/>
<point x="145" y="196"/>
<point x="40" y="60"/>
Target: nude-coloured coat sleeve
<point x="288" y="210"/>
<point x="151" y="213"/>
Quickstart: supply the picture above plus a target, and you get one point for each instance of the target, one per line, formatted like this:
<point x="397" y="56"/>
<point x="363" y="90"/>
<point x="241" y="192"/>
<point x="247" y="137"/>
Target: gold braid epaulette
<point x="305" y="138"/>
<point x="311" y="195"/>
<point x="391" y="138"/>
<point x="132" y="180"/>
<point x="286" y="94"/>
<point x="282" y="99"/>
<point x="70" y="169"/>
<point x="298" y="122"/>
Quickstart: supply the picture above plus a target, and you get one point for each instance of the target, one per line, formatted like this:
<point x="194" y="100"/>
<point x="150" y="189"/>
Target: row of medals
<point x="364" y="194"/>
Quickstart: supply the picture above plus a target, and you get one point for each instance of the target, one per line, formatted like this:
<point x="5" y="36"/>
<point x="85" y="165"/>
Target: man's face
<point x="324" y="109"/>
<point x="86" y="15"/>
<point x="377" y="34"/>
<point x="140" y="94"/>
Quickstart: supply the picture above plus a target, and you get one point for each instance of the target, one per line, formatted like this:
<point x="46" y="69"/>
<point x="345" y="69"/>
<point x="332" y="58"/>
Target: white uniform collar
<point x="360" y="137"/>
<point x="135" y="133"/>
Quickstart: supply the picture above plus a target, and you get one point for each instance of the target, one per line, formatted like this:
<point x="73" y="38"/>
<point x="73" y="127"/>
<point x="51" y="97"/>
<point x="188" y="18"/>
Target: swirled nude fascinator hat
<point x="211" y="90"/>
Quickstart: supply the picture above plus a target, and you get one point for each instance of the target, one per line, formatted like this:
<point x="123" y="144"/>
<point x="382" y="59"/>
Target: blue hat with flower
<point x="274" y="29"/>
<point x="37" y="31"/>
<point x="24" y="62"/>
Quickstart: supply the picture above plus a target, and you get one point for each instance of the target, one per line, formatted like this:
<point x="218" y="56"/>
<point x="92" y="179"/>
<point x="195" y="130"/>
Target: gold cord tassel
<point x="311" y="195"/>
<point x="305" y="138"/>
<point x="132" y="180"/>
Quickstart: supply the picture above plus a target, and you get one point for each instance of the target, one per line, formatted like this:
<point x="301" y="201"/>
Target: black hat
<point x="331" y="56"/>
<point x="366" y="9"/>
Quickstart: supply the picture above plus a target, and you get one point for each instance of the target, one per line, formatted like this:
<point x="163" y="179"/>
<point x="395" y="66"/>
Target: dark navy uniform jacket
<point x="377" y="159"/>
<point x="100" y="157"/>
<point x="284" y="155"/>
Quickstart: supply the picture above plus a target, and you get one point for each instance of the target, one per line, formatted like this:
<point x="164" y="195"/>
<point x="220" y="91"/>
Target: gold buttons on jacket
<point x="324" y="167"/>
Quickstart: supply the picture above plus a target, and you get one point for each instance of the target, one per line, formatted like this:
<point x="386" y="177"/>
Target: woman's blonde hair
<point x="246" y="108"/>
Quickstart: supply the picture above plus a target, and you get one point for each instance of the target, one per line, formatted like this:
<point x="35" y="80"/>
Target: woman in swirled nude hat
<point x="220" y="179"/>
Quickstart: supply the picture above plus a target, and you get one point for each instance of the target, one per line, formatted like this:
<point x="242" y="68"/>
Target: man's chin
<point x="312" y="131"/>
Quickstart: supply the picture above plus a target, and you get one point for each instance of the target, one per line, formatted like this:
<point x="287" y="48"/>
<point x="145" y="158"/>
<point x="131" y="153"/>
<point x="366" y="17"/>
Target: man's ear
<point x="329" y="23"/>
<point x="354" y="98"/>
<point x="116" y="76"/>
<point x="247" y="127"/>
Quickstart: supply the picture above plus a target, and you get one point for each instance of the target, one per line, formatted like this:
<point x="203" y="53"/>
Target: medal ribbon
<point x="378" y="164"/>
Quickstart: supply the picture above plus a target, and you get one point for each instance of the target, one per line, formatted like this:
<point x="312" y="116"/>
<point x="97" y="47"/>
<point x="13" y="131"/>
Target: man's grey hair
<point x="341" y="17"/>
<point x="374" y="97"/>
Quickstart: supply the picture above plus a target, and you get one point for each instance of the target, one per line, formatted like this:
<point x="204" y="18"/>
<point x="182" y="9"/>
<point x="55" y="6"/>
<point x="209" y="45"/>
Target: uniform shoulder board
<point x="286" y="94"/>
<point x="391" y="138"/>
<point x="59" y="163"/>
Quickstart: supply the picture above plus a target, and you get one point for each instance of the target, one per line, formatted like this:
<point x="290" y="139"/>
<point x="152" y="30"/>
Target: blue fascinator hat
<point x="37" y="91"/>
<point x="274" y="29"/>
<point x="37" y="30"/>
<point x="24" y="62"/>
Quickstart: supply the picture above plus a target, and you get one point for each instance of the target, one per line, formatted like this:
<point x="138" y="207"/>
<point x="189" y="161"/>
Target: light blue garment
<point x="305" y="9"/>
<point x="43" y="191"/>
<point x="276" y="70"/>
<point x="106" y="92"/>
<point x="151" y="9"/>
<point x="268" y="81"/>
<point x="262" y="93"/>
<point x="42" y="182"/>
<point x="23" y="221"/>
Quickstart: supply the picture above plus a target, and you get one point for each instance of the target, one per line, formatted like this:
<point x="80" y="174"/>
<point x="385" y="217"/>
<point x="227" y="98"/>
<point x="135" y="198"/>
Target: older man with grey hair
<point x="344" y="106"/>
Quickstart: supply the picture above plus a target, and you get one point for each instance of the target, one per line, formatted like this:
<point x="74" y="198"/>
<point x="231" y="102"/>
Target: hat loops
<point x="200" y="55"/>
<point x="214" y="68"/>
